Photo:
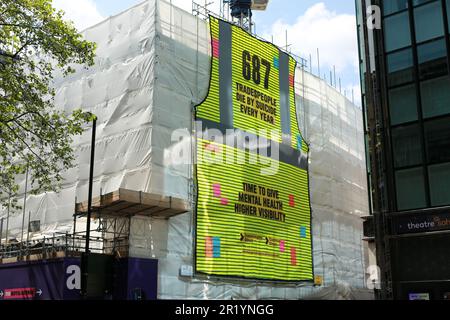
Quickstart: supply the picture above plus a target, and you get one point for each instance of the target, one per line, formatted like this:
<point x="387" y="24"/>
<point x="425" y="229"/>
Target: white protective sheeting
<point x="152" y="67"/>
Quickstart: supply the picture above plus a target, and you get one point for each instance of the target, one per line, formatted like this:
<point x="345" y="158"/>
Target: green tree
<point x="35" y="42"/>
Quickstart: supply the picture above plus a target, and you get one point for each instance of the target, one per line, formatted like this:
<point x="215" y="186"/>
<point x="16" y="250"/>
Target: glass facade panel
<point x="368" y="164"/>
<point x="437" y="140"/>
<point x="432" y="59"/>
<point x="417" y="2"/>
<point x="399" y="65"/>
<point x="403" y="104"/>
<point x="447" y="4"/>
<point x="393" y="6"/>
<point x="363" y="80"/>
<point x="410" y="189"/>
<point x="359" y="12"/>
<point x="428" y="21"/>
<point x="361" y="46"/>
<point x="397" y="33"/>
<point x="439" y="184"/>
<point x="435" y="97"/>
<point x="407" y="146"/>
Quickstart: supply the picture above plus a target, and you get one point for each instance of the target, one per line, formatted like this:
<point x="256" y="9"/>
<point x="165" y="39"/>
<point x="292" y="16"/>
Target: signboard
<point x="419" y="296"/>
<point x="20" y="293"/>
<point x="417" y="223"/>
<point x="253" y="209"/>
<point x="34" y="226"/>
<point x="318" y="280"/>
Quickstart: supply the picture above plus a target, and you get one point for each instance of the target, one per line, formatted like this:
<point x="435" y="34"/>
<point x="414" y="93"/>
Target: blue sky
<point x="289" y="10"/>
<point x="328" y="25"/>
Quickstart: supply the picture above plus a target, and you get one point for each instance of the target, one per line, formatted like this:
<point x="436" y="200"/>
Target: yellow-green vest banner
<point x="253" y="214"/>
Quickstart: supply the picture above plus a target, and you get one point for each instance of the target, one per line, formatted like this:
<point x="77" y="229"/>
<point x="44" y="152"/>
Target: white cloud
<point x="83" y="13"/>
<point x="333" y="34"/>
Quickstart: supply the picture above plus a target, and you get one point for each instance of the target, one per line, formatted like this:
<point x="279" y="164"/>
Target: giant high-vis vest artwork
<point x="253" y="214"/>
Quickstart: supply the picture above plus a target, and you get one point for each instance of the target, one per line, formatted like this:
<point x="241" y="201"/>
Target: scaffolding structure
<point x="60" y="245"/>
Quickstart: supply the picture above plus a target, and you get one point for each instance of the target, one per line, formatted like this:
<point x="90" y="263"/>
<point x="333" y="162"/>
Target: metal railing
<point x="67" y="244"/>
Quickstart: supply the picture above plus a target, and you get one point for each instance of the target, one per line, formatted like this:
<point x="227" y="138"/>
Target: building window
<point x="437" y="140"/>
<point x="403" y="104"/>
<point x="359" y="12"/>
<point x="393" y="6"/>
<point x="428" y="21"/>
<point x="432" y="59"/>
<point x="410" y="189"/>
<point x="418" y="2"/>
<point x="366" y="122"/>
<point x="397" y="32"/>
<point x="367" y="150"/>
<point x="363" y="70"/>
<point x="439" y="176"/>
<point x="407" y="146"/>
<point x="435" y="97"/>
<point x="447" y="4"/>
<point x="361" y="46"/>
<point x="399" y="65"/>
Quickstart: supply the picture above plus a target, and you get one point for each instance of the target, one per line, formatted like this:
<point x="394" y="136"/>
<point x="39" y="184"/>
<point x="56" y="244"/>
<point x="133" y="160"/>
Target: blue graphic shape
<point x="299" y="142"/>
<point x="302" y="232"/>
<point x="216" y="247"/>
<point x="276" y="63"/>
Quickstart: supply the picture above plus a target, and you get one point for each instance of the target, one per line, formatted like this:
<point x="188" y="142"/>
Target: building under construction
<point x="152" y="67"/>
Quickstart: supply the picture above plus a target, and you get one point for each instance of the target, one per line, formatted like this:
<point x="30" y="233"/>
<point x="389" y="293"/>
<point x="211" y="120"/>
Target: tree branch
<point x="43" y="118"/>
<point x="33" y="133"/>
<point x="5" y="54"/>
<point x="12" y="25"/>
<point x="25" y="143"/>
<point x="14" y="56"/>
<point x="20" y="49"/>
<point x="16" y="118"/>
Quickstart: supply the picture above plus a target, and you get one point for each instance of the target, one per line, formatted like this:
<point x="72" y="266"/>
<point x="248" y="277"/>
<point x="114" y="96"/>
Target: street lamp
<point x="85" y="257"/>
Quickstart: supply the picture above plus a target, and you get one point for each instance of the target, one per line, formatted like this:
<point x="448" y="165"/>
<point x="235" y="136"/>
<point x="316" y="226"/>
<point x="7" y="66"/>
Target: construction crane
<point x="242" y="10"/>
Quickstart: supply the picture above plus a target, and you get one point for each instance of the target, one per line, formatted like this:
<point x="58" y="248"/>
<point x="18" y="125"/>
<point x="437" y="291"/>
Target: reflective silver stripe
<point x="285" y="98"/>
<point x="225" y="75"/>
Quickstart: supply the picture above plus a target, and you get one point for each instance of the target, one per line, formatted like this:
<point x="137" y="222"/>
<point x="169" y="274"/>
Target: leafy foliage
<point x="35" y="42"/>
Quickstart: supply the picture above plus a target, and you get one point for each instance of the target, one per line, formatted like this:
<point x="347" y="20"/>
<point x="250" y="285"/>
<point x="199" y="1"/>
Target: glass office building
<point x="404" y="60"/>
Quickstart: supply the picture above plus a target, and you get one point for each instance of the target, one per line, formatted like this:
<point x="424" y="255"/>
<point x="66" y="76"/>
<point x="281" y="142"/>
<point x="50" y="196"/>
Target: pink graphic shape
<point x="209" y="247"/>
<point x="293" y="256"/>
<point x="216" y="190"/>
<point x="291" y="200"/>
<point x="282" y="246"/>
<point x="215" y="48"/>
<point x="291" y="80"/>
<point x="224" y="201"/>
<point x="212" y="148"/>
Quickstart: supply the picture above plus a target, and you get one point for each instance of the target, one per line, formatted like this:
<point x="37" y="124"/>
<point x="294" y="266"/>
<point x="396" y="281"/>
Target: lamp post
<point x="85" y="264"/>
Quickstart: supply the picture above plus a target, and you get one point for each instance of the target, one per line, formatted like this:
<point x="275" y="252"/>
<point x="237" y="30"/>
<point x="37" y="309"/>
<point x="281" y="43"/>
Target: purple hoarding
<point x="60" y="279"/>
<point x="37" y="280"/>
